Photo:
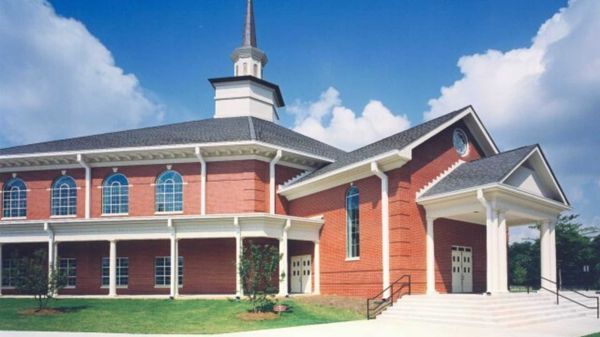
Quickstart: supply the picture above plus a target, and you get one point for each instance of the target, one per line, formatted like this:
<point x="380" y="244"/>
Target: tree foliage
<point x="258" y="266"/>
<point x="35" y="277"/>
<point x="576" y="247"/>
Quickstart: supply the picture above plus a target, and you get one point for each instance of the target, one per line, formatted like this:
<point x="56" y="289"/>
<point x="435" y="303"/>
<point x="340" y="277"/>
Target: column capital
<point x="500" y="211"/>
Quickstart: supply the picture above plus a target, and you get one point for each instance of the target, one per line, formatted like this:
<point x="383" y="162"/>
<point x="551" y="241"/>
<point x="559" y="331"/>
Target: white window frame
<point x="352" y="247"/>
<point x="70" y="264"/>
<point x="164" y="271"/>
<point x="122" y="272"/>
<point x="108" y="194"/>
<point x="66" y="202"/>
<point x="168" y="200"/>
<point x="9" y="271"/>
<point x="21" y="201"/>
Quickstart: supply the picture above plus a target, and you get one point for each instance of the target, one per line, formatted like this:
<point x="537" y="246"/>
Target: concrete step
<point x="510" y="310"/>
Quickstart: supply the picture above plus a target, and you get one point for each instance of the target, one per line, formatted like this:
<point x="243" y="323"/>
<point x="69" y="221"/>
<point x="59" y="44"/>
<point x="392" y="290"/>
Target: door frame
<point x="461" y="249"/>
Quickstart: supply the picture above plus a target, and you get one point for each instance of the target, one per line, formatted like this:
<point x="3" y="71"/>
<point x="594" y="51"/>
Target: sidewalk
<point x="568" y="328"/>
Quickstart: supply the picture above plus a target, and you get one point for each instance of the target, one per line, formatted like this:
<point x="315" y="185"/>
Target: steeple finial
<point x="249" y="37"/>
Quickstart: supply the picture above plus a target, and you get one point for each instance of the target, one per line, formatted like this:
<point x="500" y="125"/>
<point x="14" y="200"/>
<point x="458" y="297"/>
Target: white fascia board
<point x="313" y="184"/>
<point x="536" y="150"/>
<point x="189" y="146"/>
<point x="163" y="219"/>
<point x="492" y="188"/>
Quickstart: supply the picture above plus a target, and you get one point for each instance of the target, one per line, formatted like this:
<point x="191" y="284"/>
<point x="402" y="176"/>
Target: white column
<point x="317" y="269"/>
<point x="545" y="255"/>
<point x="491" y="232"/>
<point x="174" y="265"/>
<point x="239" y="291"/>
<point x="51" y="253"/>
<point x="283" y="263"/>
<point x="1" y="269"/>
<point x="430" y="257"/>
<point x="502" y="253"/>
<point x="112" y="267"/>
<point x="552" y="251"/>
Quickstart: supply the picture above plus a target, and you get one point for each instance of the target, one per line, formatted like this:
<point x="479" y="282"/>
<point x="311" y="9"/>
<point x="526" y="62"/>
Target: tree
<point x="258" y="265"/>
<point x="34" y="277"/>
<point x="574" y="249"/>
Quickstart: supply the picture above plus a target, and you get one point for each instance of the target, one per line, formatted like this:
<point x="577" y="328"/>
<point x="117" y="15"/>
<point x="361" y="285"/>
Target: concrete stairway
<point x="509" y="310"/>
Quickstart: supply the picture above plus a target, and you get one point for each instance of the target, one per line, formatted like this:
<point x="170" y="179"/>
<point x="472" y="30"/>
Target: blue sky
<point x="399" y="52"/>
<point x="346" y="68"/>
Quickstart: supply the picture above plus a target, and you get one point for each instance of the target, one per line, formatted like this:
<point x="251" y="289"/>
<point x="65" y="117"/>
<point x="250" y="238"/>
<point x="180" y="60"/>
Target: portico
<point x="496" y="208"/>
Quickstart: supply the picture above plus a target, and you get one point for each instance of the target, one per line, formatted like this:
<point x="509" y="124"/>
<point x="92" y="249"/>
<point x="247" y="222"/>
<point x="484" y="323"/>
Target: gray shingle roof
<point x="480" y="172"/>
<point x="203" y="131"/>
<point x="397" y="141"/>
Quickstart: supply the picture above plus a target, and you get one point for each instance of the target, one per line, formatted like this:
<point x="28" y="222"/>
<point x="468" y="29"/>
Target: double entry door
<point x="462" y="269"/>
<point x="300" y="274"/>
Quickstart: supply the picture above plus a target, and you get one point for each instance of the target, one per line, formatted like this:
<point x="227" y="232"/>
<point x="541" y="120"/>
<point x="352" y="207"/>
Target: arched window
<point x="169" y="192"/>
<point x="64" y="196"/>
<point x="14" y="202"/>
<point x="352" y="223"/>
<point x="115" y="195"/>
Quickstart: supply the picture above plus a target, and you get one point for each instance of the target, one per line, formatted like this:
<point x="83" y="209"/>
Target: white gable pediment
<point x="533" y="175"/>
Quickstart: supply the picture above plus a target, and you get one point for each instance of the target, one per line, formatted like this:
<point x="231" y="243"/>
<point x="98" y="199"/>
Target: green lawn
<point x="160" y="316"/>
<point x="593" y="335"/>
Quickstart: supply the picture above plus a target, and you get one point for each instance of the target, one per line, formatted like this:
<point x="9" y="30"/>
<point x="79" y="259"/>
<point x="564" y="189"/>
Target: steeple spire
<point x="249" y="37"/>
<point x="248" y="60"/>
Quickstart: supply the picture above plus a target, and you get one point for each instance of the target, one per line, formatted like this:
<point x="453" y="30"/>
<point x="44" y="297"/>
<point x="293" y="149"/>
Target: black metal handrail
<point x="381" y="302"/>
<point x="559" y="295"/>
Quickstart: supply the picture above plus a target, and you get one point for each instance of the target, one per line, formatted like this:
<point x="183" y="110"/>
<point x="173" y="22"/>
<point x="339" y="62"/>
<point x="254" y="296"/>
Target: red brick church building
<point x="166" y="210"/>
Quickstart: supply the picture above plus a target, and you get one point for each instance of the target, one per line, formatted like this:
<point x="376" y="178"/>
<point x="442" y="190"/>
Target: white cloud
<point x="329" y="121"/>
<point x="58" y="80"/>
<point x="547" y="92"/>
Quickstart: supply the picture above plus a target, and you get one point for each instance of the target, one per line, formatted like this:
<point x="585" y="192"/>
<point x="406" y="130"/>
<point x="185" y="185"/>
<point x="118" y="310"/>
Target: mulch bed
<point x="258" y="316"/>
<point x="43" y="312"/>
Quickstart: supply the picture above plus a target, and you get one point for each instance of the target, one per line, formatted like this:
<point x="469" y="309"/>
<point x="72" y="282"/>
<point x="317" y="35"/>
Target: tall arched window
<point x="64" y="196"/>
<point x="352" y="223"/>
<point x="14" y="202"/>
<point x="169" y="192"/>
<point x="115" y="194"/>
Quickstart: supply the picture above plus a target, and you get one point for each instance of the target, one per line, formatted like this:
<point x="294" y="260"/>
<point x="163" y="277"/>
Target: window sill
<point x="166" y="287"/>
<point x="62" y="216"/>
<point x="14" y="218"/>
<point x="8" y="288"/>
<point x="114" y="214"/>
<point x="353" y="258"/>
<point x="168" y="213"/>
<point x="70" y="287"/>
<point x="118" y="287"/>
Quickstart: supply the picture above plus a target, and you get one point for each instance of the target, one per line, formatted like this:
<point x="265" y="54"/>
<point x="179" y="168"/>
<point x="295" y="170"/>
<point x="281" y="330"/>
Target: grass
<point x="165" y="316"/>
<point x="597" y="334"/>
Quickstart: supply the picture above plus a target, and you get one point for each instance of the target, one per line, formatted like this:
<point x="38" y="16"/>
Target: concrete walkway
<point x="567" y="328"/>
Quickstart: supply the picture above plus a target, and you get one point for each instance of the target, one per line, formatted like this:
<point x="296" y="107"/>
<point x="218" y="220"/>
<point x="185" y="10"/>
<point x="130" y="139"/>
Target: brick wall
<point x="237" y="187"/>
<point x="363" y="278"/>
<point x="39" y="183"/>
<point x="448" y="233"/>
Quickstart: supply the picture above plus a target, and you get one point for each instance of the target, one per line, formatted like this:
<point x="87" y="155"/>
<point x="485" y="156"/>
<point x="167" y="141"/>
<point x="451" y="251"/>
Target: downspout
<point x="272" y="191"/>
<point x="88" y="183"/>
<point x="385" y="227"/>
<point x="198" y="154"/>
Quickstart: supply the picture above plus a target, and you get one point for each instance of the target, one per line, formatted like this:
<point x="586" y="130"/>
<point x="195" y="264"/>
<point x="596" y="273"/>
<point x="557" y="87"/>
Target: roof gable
<point x="524" y="168"/>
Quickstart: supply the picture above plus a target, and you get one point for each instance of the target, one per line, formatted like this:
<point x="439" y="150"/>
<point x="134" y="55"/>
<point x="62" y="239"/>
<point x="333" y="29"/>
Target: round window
<point x="461" y="142"/>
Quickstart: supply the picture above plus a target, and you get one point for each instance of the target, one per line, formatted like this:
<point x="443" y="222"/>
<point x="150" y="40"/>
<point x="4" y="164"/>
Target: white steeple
<point x="248" y="59"/>
<point x="246" y="93"/>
